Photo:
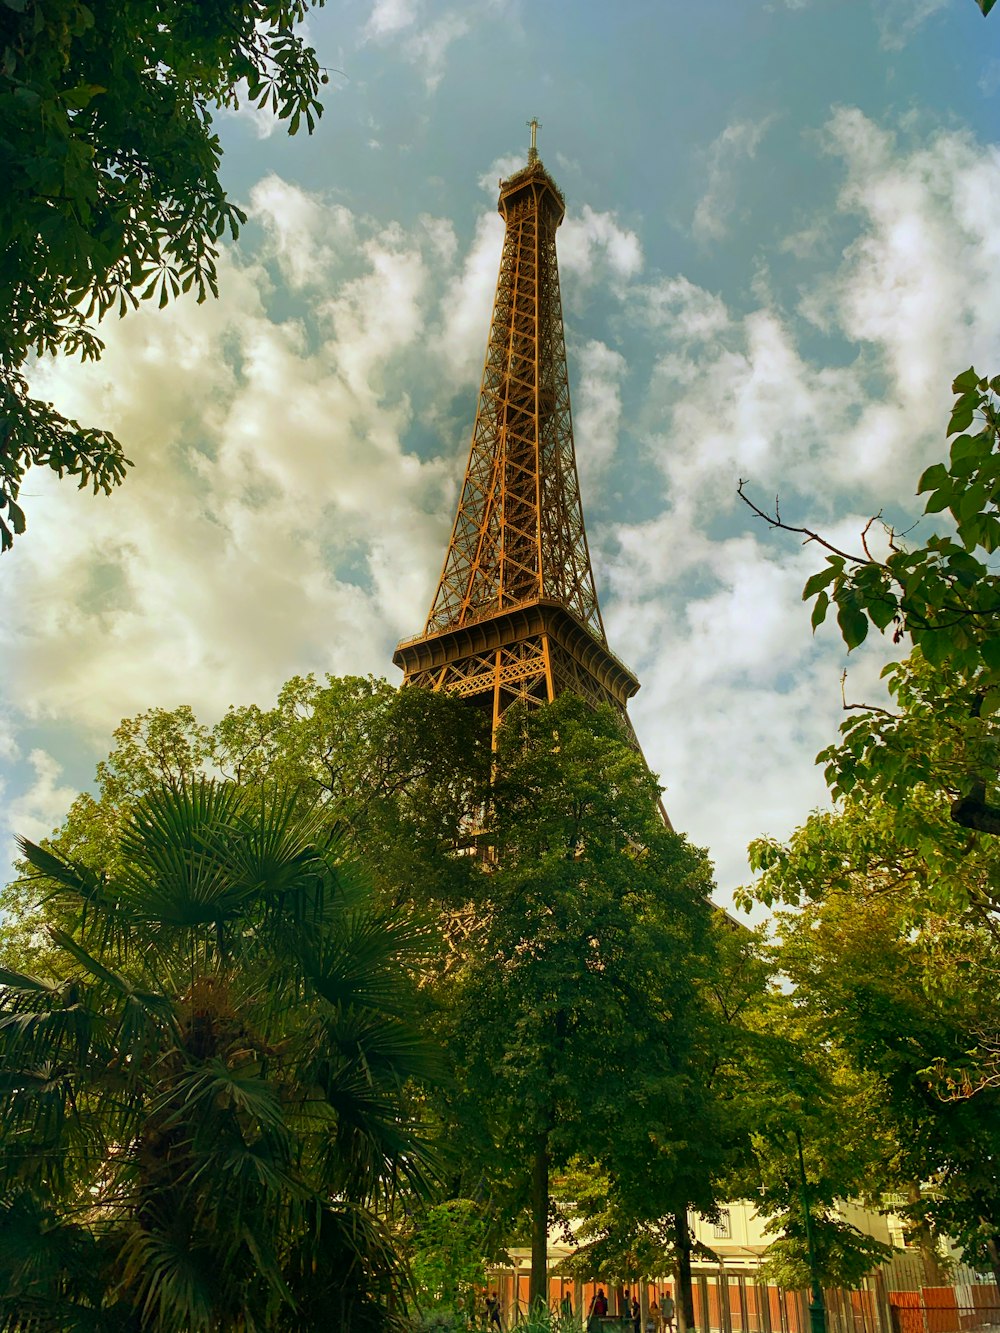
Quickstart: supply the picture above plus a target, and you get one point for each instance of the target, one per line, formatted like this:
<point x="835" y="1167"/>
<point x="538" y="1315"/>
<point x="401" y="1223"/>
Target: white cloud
<point x="899" y="20"/>
<point x="499" y="170"/>
<point x="597" y="410"/>
<point x="922" y="280"/>
<point x="423" y="41"/>
<point x="737" y="694"/>
<point x="274" y="522"/>
<point x="726" y="154"/>
<point x="428" y="49"/>
<point x="594" y="246"/>
<point x="915" y="293"/>
<point x="389" y="17"/>
<point x="303" y="232"/>
<point x="467" y="302"/>
<point x="685" y="311"/>
<point x="43" y="806"/>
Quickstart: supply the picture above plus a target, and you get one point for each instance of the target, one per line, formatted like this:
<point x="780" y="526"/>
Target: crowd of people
<point x="659" y="1317"/>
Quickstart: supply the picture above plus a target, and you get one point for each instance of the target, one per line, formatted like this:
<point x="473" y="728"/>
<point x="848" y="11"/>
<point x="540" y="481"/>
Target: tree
<point x="204" y="1101"/>
<point x="398" y="769"/>
<point x="902" y="983"/>
<point x="450" y="1246"/>
<point x="569" y="1010"/>
<point x="111" y="187"/>
<point x="687" y="1153"/>
<point x="941" y="740"/>
<point x="934" y="758"/>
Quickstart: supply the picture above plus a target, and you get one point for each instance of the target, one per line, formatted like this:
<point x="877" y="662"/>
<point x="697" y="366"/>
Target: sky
<point x="781" y="243"/>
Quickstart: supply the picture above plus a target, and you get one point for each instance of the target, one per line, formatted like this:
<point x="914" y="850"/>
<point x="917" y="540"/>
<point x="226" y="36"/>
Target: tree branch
<point x="774" y="521"/>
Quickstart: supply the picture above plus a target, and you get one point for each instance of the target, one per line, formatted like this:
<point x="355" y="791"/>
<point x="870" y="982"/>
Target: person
<point x="636" y="1314"/>
<point x="653" y="1317"/>
<point x="493" y="1311"/>
<point x="566" y="1305"/>
<point x="667" y="1310"/>
<point x="598" y="1308"/>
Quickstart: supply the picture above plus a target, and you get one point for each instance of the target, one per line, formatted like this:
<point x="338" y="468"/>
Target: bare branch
<point x="774" y="521"/>
<point x="863" y="708"/>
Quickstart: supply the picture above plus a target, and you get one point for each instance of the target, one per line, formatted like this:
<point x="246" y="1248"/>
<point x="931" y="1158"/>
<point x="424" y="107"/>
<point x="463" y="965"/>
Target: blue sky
<point x="781" y="243"/>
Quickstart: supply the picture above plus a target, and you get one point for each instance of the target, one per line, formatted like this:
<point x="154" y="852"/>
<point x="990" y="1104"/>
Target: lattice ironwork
<point x="515" y="616"/>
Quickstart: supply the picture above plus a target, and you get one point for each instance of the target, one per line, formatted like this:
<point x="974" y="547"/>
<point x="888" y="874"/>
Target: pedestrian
<point x="598" y="1309"/>
<point x="566" y="1306"/>
<point x="667" y="1310"/>
<point x="636" y="1314"/>
<point x="653" y="1317"/>
<point x="493" y="1311"/>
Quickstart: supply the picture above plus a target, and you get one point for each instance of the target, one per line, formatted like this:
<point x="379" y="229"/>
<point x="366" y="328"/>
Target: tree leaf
<point x="967" y="380"/>
<point x="932" y="478"/>
<point x="853" y="624"/>
<point x="939" y="500"/>
<point x="961" y="418"/>
<point x="816" y="582"/>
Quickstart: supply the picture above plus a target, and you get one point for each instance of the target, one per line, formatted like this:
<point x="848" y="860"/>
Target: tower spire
<point x="515" y="616"/>
<point x="534" y="124"/>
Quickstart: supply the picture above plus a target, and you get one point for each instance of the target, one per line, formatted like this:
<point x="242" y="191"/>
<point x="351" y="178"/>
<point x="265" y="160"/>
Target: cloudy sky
<point x="781" y="243"/>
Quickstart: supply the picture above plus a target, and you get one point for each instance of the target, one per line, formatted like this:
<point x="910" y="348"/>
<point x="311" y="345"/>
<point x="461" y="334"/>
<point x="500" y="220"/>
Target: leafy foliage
<point x="203" y="1101"/>
<point x="111" y="188"/>
<point x="844" y="1255"/>
<point x="570" y="1008"/>
<point x="399" y="771"/>
<point x="943" y="595"/>
<point x="898" y="980"/>
<point x="449" y="1249"/>
<point x="939" y="748"/>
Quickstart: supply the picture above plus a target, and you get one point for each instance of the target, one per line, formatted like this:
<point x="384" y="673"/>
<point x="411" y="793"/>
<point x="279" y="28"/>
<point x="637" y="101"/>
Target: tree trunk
<point x="993" y="1250"/>
<point x="927" y="1241"/>
<point x="685" y="1291"/>
<point x="538" y="1287"/>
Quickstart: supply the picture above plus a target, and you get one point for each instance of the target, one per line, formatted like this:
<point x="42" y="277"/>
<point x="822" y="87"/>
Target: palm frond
<point x="49" y="866"/>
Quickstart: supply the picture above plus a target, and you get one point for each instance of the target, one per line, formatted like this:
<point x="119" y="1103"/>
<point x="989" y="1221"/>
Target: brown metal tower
<point x="515" y="616"/>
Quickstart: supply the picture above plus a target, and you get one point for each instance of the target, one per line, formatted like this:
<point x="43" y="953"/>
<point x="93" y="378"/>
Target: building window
<point x="723" y="1229"/>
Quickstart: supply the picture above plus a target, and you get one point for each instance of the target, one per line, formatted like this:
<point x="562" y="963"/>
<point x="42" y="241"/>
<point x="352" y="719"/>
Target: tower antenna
<point x="534" y="125"/>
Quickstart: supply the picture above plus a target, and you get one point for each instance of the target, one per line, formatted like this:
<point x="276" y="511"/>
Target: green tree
<point x="900" y="982"/>
<point x="570" y="1006"/>
<point x="818" y="1140"/>
<point x="945" y="597"/>
<point x="450" y="1247"/>
<point x="204" y="1101"/>
<point x="675" y="1156"/>
<point x="111" y="190"/>
<point x="397" y="769"/>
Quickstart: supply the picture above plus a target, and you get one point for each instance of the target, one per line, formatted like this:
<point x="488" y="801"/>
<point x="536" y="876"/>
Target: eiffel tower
<point x="515" y="617"/>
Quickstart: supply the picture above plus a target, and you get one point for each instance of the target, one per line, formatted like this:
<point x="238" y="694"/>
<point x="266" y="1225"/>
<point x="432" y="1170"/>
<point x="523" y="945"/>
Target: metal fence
<point x="891" y="1300"/>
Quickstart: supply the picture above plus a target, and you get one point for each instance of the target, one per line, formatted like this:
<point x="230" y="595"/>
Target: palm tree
<point x="203" y="1109"/>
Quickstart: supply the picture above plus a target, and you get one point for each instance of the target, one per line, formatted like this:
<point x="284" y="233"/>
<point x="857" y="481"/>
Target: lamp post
<point x="817" y="1308"/>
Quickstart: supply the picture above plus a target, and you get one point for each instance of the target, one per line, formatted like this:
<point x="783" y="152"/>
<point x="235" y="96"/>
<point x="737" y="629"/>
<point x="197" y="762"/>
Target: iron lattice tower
<point x="515" y="616"/>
